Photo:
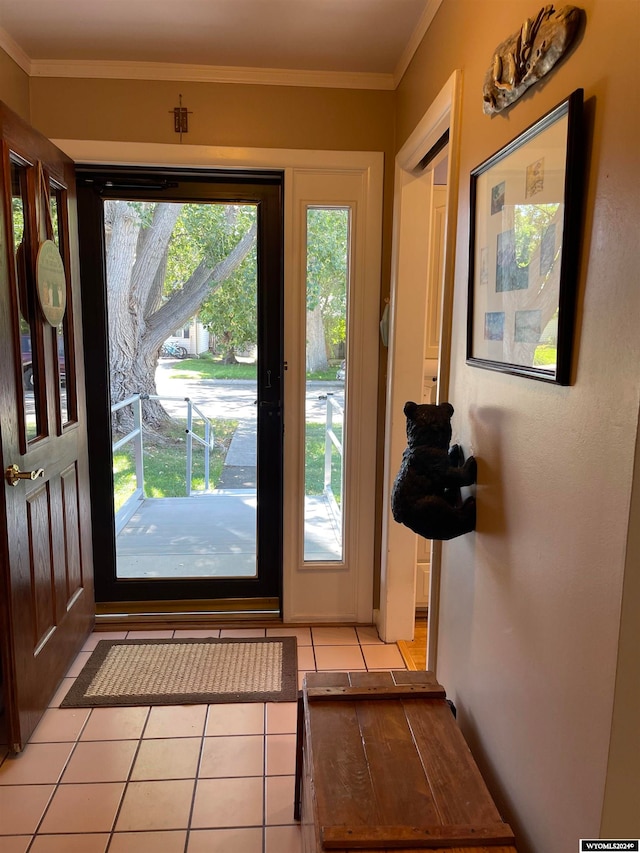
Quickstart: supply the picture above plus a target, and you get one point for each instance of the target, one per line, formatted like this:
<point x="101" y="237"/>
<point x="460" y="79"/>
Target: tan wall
<point x="222" y="114"/>
<point x="530" y="608"/>
<point x="14" y="86"/>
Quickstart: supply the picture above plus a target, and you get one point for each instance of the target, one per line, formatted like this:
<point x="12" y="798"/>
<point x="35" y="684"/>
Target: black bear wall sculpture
<point x="426" y="493"/>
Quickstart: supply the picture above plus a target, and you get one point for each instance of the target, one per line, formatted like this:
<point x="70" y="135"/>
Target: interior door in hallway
<point x="436" y="175"/>
<point x="46" y="587"/>
<point x="185" y="268"/>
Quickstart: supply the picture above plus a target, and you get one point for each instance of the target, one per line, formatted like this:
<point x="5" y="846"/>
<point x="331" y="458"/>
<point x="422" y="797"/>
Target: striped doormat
<point x="186" y="672"/>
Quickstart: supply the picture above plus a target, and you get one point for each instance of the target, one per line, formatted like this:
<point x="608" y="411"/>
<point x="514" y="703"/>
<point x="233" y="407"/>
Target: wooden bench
<point x="383" y="766"/>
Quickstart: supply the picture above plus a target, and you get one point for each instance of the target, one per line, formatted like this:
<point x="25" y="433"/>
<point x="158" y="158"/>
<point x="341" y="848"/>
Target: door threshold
<point x="194" y="613"/>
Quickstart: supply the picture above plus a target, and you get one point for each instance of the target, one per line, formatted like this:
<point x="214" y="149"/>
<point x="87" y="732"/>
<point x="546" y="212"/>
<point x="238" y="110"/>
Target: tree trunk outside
<point x="316" y="344"/>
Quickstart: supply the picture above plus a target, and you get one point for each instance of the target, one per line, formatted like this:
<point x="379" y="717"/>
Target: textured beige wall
<point x="531" y="602"/>
<point x="14" y="86"/>
<point x="222" y="114"/>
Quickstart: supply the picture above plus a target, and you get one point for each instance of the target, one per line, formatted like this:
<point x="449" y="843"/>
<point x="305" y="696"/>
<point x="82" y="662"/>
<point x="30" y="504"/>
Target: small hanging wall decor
<point x="181" y="118"/>
<point x="527" y="55"/>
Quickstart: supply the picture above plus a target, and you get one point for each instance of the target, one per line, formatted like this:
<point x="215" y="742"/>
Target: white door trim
<point x="340" y="591"/>
<point x="396" y="616"/>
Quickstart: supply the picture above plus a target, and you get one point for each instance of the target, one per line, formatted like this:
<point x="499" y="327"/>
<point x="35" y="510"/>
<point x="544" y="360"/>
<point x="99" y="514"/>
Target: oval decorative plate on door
<point x="52" y="282"/>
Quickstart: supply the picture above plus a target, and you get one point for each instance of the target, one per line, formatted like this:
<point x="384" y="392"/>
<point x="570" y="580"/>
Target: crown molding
<point x="14" y="51"/>
<point x="208" y="74"/>
<point x="416" y="38"/>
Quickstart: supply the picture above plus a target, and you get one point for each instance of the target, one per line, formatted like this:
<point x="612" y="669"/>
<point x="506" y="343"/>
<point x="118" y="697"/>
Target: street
<point x="232" y="398"/>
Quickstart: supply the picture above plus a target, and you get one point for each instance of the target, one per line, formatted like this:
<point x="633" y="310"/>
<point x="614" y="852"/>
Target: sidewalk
<point x="239" y="471"/>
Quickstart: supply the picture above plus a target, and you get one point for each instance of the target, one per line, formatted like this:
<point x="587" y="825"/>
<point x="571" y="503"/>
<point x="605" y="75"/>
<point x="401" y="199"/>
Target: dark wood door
<point x="46" y="594"/>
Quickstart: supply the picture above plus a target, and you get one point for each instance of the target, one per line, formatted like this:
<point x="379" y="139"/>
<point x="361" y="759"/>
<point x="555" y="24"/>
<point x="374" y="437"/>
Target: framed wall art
<point x="524" y="249"/>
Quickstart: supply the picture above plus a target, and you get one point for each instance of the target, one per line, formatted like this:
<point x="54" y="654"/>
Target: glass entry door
<point x="190" y="292"/>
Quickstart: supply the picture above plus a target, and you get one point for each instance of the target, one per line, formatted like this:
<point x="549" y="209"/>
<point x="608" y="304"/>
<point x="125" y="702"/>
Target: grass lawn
<point x="206" y="368"/>
<point x="314" y="472"/>
<point x="323" y="375"/>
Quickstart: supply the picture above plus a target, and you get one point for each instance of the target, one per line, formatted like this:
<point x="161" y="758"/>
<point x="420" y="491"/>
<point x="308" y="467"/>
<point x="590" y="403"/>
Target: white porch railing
<point x="331" y="442"/>
<point x="136" y="436"/>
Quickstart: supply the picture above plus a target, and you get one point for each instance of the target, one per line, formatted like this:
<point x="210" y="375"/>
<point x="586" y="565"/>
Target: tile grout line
<point x="187" y="836"/>
<point x="264" y="780"/>
<point x="128" y="779"/>
<point x="57" y="784"/>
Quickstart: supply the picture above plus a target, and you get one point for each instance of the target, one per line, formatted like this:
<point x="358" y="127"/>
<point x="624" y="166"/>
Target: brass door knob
<point x="13" y="475"/>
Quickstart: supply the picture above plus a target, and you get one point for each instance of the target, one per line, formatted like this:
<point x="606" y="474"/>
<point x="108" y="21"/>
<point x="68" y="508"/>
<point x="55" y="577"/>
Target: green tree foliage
<point x="204" y="232"/>
<point x="18" y="221"/>
<point x="230" y="312"/>
<point x="328" y="269"/>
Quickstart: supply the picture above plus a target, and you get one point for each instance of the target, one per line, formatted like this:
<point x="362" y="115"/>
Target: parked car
<point x="27" y="360"/>
<point x="341" y="371"/>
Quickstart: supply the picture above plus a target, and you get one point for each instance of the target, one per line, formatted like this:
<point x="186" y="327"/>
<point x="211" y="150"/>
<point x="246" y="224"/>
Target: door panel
<point x="334" y="586"/>
<point x="47" y="602"/>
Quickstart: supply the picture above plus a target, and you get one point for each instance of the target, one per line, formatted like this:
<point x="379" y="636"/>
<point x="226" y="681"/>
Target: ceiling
<point x="367" y="39"/>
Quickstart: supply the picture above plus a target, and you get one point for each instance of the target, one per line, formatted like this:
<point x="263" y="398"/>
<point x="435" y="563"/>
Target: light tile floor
<point x="170" y="779"/>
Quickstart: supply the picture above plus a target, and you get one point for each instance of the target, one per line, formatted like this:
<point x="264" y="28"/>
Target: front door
<point x="46" y="593"/>
<point x="182" y="279"/>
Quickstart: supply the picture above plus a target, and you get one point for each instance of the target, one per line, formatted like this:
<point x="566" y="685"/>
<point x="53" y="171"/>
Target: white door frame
<point x="396" y="617"/>
<point x="318" y="592"/>
<point x="336" y="591"/>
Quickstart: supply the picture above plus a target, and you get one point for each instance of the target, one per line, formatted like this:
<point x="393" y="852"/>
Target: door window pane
<point x="32" y="374"/>
<point x="185" y="433"/>
<point x="327" y="286"/>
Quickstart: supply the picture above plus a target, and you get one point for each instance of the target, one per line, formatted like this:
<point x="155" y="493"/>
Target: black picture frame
<point x="526" y="215"/>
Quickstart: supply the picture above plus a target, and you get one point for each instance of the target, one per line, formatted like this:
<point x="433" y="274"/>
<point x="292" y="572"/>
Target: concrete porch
<point x="210" y="535"/>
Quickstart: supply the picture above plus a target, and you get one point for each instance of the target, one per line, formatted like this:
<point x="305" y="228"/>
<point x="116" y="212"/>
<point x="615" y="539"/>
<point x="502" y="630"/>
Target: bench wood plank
<point x="459" y="790"/>
<point x="337" y="760"/>
<point x="420" y="837"/>
<point x="350" y="694"/>
<point x="397" y="775"/>
<point x="371" y="679"/>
